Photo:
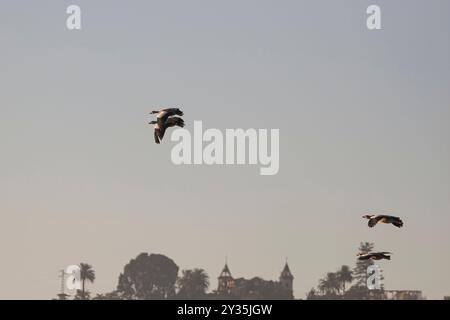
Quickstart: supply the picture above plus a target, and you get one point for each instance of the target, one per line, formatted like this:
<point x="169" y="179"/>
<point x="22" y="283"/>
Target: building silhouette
<point x="255" y="288"/>
<point x="225" y="281"/>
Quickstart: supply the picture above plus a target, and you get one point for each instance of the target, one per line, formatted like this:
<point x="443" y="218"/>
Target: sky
<point x="363" y="119"/>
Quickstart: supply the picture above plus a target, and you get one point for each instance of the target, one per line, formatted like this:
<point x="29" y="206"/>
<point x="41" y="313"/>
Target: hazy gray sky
<point x="363" y="118"/>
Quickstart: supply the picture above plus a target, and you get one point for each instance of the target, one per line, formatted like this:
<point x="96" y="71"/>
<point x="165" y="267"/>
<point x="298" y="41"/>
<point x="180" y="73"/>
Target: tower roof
<point x="286" y="273"/>
<point x="225" y="272"/>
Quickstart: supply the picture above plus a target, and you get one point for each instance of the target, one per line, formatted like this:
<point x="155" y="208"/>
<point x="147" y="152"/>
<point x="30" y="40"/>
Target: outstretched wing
<point x="372" y="222"/>
<point x="162" y="124"/>
<point x="162" y="131"/>
<point x="175" y="121"/>
<point x="156" y="134"/>
<point x="173" y="112"/>
<point x="398" y="223"/>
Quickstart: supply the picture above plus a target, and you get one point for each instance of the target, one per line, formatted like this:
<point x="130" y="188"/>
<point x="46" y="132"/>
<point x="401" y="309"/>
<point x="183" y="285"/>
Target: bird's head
<point x="152" y="122"/>
<point x="367" y="216"/>
<point x="179" y="112"/>
<point x="154" y="112"/>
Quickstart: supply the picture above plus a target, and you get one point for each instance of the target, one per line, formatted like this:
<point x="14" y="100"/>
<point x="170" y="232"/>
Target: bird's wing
<point x="163" y="115"/>
<point x="398" y="224"/>
<point x="174" y="112"/>
<point x="372" y="222"/>
<point x="171" y="122"/>
<point x="175" y="121"/>
<point x="385" y="252"/>
<point x="157" y="136"/>
<point x="162" y="131"/>
<point x="396" y="221"/>
<point x="161" y="121"/>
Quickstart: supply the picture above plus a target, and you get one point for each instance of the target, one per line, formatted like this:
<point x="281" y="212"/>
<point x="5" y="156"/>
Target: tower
<point x="287" y="280"/>
<point x="62" y="295"/>
<point x="226" y="281"/>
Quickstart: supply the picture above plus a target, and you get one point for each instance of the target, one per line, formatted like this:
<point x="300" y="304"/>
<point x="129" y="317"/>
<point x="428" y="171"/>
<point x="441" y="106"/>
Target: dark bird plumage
<point x="374" y="219"/>
<point x="162" y="123"/>
<point x="374" y="256"/>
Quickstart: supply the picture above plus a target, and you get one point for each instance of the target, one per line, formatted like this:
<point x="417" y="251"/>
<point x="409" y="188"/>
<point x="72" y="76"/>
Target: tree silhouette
<point x="334" y="284"/>
<point x="82" y="295"/>
<point x="360" y="290"/>
<point x="330" y="285"/>
<point x="148" y="277"/>
<point x="312" y="295"/>
<point x="360" y="270"/>
<point x="344" y="275"/>
<point x="86" y="274"/>
<point x="193" y="284"/>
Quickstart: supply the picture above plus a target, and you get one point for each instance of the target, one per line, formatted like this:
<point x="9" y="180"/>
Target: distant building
<point x="226" y="281"/>
<point x="403" y="295"/>
<point x="287" y="279"/>
<point x="255" y="288"/>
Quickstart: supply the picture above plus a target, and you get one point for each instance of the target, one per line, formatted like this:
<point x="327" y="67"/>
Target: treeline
<point x="148" y="277"/>
<point x="334" y="285"/>
<point x="156" y="277"/>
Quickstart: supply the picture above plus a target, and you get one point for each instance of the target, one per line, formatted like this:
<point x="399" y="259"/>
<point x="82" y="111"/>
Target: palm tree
<point x="330" y="285"/>
<point x="311" y="295"/>
<point x="345" y="275"/>
<point x="86" y="274"/>
<point x="80" y="295"/>
<point x="360" y="270"/>
<point x="193" y="284"/>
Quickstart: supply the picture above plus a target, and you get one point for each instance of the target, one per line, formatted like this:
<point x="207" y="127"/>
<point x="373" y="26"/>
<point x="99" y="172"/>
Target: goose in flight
<point x="374" y="219"/>
<point x="374" y="256"/>
<point x="164" y="114"/>
<point x="160" y="127"/>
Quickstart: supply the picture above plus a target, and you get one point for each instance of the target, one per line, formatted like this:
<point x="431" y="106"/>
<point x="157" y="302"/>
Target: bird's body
<point x="163" y="122"/>
<point x="374" y="219"/>
<point x="374" y="256"/>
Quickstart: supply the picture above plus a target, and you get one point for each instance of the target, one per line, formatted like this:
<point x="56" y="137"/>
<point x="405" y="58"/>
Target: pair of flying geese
<point x="166" y="118"/>
<point x="170" y="117"/>
<point x="373" y="220"/>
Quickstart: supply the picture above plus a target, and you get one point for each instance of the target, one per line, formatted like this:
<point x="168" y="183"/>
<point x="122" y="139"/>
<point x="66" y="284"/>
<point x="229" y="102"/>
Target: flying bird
<point x="161" y="126"/>
<point x="164" y="114"/>
<point x="374" y="256"/>
<point x="165" y="118"/>
<point x="374" y="219"/>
